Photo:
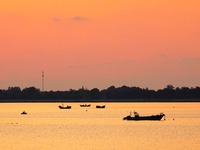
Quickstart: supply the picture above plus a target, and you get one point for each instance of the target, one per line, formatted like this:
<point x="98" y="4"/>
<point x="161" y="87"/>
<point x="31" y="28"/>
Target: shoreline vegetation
<point x="111" y="94"/>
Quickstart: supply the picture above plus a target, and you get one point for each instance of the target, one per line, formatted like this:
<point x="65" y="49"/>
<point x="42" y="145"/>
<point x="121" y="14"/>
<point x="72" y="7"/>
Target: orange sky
<point x="93" y="43"/>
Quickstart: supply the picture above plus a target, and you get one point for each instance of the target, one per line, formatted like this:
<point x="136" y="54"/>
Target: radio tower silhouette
<point x="42" y="81"/>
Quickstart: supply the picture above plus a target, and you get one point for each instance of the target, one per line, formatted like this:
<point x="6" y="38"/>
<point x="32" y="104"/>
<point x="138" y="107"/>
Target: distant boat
<point x="85" y="105"/>
<point x="23" y="113"/>
<point x="65" y="107"/>
<point x="137" y="117"/>
<point x="98" y="106"/>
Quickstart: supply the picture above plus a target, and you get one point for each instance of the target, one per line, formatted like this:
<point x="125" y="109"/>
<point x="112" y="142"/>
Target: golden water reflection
<point x="48" y="127"/>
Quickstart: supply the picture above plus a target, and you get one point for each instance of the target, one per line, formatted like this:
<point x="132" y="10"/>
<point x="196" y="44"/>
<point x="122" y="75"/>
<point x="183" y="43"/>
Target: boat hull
<point x="138" y="118"/>
<point x="101" y="106"/>
<point x="23" y="113"/>
<point x="85" y="105"/>
<point x="62" y="107"/>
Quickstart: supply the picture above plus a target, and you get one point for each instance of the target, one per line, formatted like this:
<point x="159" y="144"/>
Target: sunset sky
<point x="99" y="43"/>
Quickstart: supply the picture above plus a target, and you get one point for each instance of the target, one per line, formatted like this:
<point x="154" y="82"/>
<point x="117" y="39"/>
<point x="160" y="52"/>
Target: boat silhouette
<point x="65" y="107"/>
<point x="137" y="117"/>
<point x="85" y="105"/>
<point x="23" y="113"/>
<point x="98" y="106"/>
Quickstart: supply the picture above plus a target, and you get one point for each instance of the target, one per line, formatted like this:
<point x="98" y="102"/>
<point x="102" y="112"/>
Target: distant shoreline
<point x="111" y="94"/>
<point x="97" y="101"/>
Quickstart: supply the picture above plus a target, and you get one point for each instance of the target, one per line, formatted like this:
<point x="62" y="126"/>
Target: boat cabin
<point x="136" y="114"/>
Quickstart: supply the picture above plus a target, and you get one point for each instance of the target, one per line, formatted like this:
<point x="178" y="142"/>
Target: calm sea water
<point x="46" y="127"/>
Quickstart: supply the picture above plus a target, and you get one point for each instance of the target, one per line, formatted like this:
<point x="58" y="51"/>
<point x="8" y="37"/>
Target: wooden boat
<point x="137" y="117"/>
<point x="23" y="113"/>
<point x="98" y="106"/>
<point x="85" y="105"/>
<point x="65" y="107"/>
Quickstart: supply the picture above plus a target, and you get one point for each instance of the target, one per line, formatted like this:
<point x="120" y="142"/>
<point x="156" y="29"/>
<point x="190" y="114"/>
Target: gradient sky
<point x="99" y="43"/>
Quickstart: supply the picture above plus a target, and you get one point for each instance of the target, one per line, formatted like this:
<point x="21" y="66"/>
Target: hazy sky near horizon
<point x="99" y="43"/>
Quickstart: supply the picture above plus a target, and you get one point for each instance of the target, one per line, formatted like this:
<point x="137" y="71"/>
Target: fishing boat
<point x="98" y="106"/>
<point x="85" y="105"/>
<point x="65" y="107"/>
<point x="23" y="113"/>
<point x="137" y="117"/>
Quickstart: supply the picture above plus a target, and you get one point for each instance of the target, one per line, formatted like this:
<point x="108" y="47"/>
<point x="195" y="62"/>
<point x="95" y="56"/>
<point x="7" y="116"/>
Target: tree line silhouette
<point x="124" y="93"/>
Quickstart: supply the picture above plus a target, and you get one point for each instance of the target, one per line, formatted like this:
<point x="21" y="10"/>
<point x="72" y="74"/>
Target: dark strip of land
<point x="111" y="94"/>
<point x="93" y="101"/>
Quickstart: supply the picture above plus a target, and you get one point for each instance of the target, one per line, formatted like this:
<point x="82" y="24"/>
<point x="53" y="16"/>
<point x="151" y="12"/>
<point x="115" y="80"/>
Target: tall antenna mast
<point x="42" y="81"/>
